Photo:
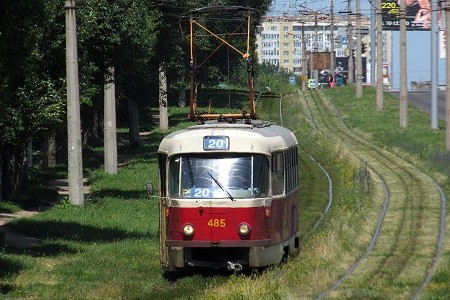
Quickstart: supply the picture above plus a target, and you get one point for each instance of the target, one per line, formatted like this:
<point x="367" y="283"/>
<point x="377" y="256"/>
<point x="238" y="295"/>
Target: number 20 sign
<point x="215" y="142"/>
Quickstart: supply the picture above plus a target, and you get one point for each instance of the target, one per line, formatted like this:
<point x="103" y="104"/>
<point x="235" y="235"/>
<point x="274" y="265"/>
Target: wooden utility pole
<point x="379" y="90"/>
<point x="358" y="51"/>
<point x="163" y="104"/>
<point x="447" y="80"/>
<point x="403" y="67"/>
<point x="75" y="165"/>
<point x="350" y="43"/>
<point x="110" y="132"/>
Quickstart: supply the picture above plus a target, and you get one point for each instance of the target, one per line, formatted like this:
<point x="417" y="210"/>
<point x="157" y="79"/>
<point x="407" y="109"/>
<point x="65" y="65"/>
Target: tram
<point x="229" y="189"/>
<point x="229" y="196"/>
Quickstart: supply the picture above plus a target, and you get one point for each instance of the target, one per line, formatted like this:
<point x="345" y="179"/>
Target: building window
<point x="285" y="28"/>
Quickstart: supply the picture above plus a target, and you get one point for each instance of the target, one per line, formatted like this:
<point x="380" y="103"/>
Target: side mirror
<point x="149" y="188"/>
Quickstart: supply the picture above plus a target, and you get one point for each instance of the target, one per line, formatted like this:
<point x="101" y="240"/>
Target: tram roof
<point x="257" y="137"/>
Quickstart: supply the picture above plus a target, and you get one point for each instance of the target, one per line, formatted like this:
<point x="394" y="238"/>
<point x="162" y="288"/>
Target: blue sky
<point x="418" y="42"/>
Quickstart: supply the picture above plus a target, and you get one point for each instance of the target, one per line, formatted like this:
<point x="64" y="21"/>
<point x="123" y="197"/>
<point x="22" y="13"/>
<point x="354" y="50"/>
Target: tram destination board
<point x="417" y="17"/>
<point x="216" y="142"/>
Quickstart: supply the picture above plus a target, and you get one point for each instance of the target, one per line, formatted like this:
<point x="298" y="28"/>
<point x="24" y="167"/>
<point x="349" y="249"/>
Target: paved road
<point x="422" y="100"/>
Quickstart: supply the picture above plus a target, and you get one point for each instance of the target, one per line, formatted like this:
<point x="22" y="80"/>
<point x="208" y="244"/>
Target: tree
<point x="133" y="36"/>
<point x="31" y="97"/>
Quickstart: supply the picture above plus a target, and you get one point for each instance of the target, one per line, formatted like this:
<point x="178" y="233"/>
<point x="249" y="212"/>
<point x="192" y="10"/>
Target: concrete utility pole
<point x="434" y="64"/>
<point x="332" y="54"/>
<point x="163" y="104"/>
<point x="447" y="80"/>
<point x="75" y="165"/>
<point x="373" y="18"/>
<point x="358" y="51"/>
<point x="403" y="67"/>
<point x="379" y="90"/>
<point x="304" y="71"/>
<point x="316" y="49"/>
<point x="350" y="43"/>
<point x="110" y="132"/>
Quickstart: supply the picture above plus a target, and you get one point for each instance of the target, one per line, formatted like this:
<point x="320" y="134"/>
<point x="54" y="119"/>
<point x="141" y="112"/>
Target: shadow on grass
<point x="8" y="268"/>
<point x="174" y="278"/>
<point x="71" y="231"/>
<point x="147" y="149"/>
<point x="120" y="194"/>
<point x="5" y="288"/>
<point x="48" y="249"/>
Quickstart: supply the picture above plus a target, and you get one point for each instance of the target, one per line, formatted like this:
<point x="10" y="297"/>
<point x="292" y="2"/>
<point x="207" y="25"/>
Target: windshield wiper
<point x="221" y="187"/>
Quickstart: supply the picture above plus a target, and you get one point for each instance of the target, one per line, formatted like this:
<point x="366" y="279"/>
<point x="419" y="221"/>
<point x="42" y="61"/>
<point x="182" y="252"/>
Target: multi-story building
<point x="279" y="41"/>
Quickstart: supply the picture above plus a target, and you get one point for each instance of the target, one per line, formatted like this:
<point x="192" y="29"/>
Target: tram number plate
<point x="217" y="223"/>
<point x="216" y="143"/>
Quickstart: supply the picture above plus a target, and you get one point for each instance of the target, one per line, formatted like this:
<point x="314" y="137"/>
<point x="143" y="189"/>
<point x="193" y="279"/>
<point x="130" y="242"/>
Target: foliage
<point x="31" y="99"/>
<point x="271" y="78"/>
<point x="133" y="36"/>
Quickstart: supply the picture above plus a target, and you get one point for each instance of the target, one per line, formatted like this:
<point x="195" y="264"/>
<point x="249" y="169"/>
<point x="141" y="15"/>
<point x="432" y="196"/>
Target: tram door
<point x="163" y="249"/>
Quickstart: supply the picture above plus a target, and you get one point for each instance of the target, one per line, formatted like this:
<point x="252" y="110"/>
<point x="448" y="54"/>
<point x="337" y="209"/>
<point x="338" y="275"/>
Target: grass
<point x="108" y="248"/>
<point x="8" y="207"/>
<point x="418" y="144"/>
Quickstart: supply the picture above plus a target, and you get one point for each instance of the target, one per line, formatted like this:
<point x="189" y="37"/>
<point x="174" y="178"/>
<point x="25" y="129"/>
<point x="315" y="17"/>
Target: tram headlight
<point x="244" y="229"/>
<point x="188" y="230"/>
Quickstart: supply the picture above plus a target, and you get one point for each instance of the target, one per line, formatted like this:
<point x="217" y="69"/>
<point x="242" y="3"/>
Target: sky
<point x="418" y="42"/>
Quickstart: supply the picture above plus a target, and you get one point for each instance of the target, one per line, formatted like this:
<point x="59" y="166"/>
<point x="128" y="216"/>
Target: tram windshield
<point x="219" y="176"/>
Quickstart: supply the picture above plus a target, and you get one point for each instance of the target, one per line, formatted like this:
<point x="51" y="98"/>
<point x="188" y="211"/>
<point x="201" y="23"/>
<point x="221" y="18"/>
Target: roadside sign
<point x="311" y="84"/>
<point x="292" y="80"/>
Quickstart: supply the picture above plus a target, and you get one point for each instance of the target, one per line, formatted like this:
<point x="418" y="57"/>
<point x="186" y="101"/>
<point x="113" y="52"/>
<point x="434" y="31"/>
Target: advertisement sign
<point x="321" y="60"/>
<point x="385" y="74"/>
<point x="418" y="14"/>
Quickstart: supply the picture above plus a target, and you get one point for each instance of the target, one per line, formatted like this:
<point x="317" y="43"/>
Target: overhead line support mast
<point x="194" y="115"/>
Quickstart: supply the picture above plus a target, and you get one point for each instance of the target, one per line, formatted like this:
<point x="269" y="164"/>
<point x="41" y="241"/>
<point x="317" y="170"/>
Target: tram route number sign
<point x="216" y="142"/>
<point x="417" y="18"/>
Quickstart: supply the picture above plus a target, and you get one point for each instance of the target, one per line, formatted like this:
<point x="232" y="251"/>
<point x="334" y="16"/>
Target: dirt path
<point x="15" y="241"/>
<point x="12" y="239"/>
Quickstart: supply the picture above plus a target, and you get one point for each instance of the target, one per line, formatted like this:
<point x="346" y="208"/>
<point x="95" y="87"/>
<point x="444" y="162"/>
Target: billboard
<point x="418" y="14"/>
<point x="321" y="60"/>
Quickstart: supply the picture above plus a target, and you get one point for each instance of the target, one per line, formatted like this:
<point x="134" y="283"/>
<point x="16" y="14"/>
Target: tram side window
<point x="277" y="174"/>
<point x="174" y="178"/>
<point x="162" y="160"/>
<point x="260" y="176"/>
<point x="291" y="164"/>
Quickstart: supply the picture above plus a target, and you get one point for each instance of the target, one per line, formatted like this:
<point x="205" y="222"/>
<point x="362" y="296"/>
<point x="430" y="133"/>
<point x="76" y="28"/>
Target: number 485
<point x="216" y="223"/>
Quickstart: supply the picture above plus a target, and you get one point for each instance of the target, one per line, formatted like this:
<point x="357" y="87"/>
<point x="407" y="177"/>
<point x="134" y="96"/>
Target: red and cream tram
<point x="229" y="196"/>
<point x="228" y="186"/>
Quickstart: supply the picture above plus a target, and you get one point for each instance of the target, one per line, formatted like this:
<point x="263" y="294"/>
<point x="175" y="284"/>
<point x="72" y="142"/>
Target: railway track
<point x="407" y="236"/>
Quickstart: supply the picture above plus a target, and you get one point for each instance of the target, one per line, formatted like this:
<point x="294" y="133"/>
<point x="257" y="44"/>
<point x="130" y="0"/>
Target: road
<point x="422" y="100"/>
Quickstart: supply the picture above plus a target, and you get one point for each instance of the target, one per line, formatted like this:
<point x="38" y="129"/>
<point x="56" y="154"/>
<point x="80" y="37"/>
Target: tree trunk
<point x="51" y="151"/>
<point x="1" y="171"/>
<point x="44" y="154"/>
<point x="110" y="134"/>
<point x="133" y="124"/>
<point x="163" y="104"/>
<point x="6" y="173"/>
